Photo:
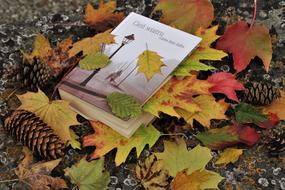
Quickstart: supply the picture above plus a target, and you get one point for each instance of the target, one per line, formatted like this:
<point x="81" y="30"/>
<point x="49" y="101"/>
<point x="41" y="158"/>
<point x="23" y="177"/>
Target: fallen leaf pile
<point x="197" y="93"/>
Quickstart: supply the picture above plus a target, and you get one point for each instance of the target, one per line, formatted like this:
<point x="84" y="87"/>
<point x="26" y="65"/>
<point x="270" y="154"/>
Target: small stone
<point x="263" y="181"/>
<point x="276" y="171"/>
<point x="262" y="14"/>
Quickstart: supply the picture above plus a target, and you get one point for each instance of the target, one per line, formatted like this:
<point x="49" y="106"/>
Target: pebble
<point x="263" y="181"/>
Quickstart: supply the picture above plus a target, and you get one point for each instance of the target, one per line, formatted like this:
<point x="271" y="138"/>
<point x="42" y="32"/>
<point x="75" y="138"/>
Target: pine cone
<point x="260" y="93"/>
<point x="32" y="75"/>
<point x="276" y="145"/>
<point x="32" y="132"/>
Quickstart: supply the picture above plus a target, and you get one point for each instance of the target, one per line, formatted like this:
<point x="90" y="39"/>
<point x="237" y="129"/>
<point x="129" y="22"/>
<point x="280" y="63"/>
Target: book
<point x="87" y="90"/>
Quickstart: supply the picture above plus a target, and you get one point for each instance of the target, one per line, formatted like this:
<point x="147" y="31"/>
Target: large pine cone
<point x="260" y="93"/>
<point x="32" y="75"/>
<point x="32" y="132"/>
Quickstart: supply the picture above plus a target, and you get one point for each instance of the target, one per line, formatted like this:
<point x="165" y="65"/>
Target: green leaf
<point x="245" y="113"/>
<point x="94" y="61"/>
<point x="176" y="157"/>
<point x="75" y="144"/>
<point x="190" y="65"/>
<point x="89" y="175"/>
<point x="149" y="63"/>
<point x="227" y="136"/>
<point x="123" y="105"/>
<point x="218" y="138"/>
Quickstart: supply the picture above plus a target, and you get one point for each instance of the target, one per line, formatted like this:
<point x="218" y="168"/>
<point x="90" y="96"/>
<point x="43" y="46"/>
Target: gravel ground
<point x="21" y="20"/>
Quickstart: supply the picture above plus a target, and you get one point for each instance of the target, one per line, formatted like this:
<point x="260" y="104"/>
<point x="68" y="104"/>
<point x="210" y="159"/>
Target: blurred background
<point x="20" y="10"/>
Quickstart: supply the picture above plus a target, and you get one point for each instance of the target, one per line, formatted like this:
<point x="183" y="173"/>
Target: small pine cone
<point x="32" y="132"/>
<point x="260" y="93"/>
<point x="33" y="75"/>
<point x="276" y="145"/>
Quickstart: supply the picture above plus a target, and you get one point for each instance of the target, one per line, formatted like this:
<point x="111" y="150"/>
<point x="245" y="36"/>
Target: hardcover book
<point x="87" y="90"/>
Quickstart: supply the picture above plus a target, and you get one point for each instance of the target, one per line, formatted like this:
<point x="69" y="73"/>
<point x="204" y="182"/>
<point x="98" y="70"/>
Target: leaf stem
<point x="175" y="134"/>
<point x="9" y="180"/>
<point x="254" y="14"/>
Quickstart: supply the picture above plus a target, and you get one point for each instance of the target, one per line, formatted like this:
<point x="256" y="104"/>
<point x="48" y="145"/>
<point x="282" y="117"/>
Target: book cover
<point x="133" y="36"/>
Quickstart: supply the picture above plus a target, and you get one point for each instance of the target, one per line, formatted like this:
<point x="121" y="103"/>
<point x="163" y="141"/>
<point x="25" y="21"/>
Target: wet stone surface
<point x="60" y="19"/>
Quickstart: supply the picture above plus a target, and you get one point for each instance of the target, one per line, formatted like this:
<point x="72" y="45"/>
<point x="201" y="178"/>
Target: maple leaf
<point x="229" y="155"/>
<point x="187" y="15"/>
<point x="149" y="63"/>
<point x="37" y="175"/>
<point x="202" y="52"/>
<point x="210" y="109"/>
<point x="104" y="17"/>
<point x="176" y="157"/>
<point x="41" y="48"/>
<point x="94" y="61"/>
<point x="277" y="107"/>
<point x="199" y="179"/>
<point x="245" y="44"/>
<point x="89" y="175"/>
<point x="225" y="83"/>
<point x="106" y="139"/>
<point x="59" y="55"/>
<point x="151" y="174"/>
<point x="123" y="105"/>
<point x="177" y="94"/>
<point x="48" y="55"/>
<point x="91" y="44"/>
<point x="227" y="136"/>
<point x="57" y="114"/>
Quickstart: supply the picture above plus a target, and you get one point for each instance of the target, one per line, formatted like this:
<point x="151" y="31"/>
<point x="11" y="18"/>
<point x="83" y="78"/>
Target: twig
<point x="254" y="14"/>
<point x="175" y="134"/>
<point x="9" y="180"/>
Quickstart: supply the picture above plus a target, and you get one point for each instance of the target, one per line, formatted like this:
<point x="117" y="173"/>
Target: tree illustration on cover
<point x="126" y="40"/>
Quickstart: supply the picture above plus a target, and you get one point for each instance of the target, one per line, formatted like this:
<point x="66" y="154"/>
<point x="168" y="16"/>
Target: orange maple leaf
<point x="48" y="55"/>
<point x="277" y="107"/>
<point x="104" y="17"/>
<point x="187" y="15"/>
<point x="199" y="179"/>
<point x="177" y="94"/>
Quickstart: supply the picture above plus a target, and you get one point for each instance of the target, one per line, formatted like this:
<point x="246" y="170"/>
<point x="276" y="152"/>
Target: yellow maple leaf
<point x="177" y="94"/>
<point x="229" y="155"/>
<point x="210" y="109"/>
<point x="149" y="63"/>
<point x="106" y="139"/>
<point x="203" y="52"/>
<point x="41" y="48"/>
<point x="57" y="114"/>
<point x="197" y="180"/>
<point x="91" y="44"/>
<point x="277" y="107"/>
<point x="104" y="17"/>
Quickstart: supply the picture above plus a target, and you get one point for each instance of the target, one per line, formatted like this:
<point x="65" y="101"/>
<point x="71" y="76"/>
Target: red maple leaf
<point x="225" y="83"/>
<point x="245" y="44"/>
